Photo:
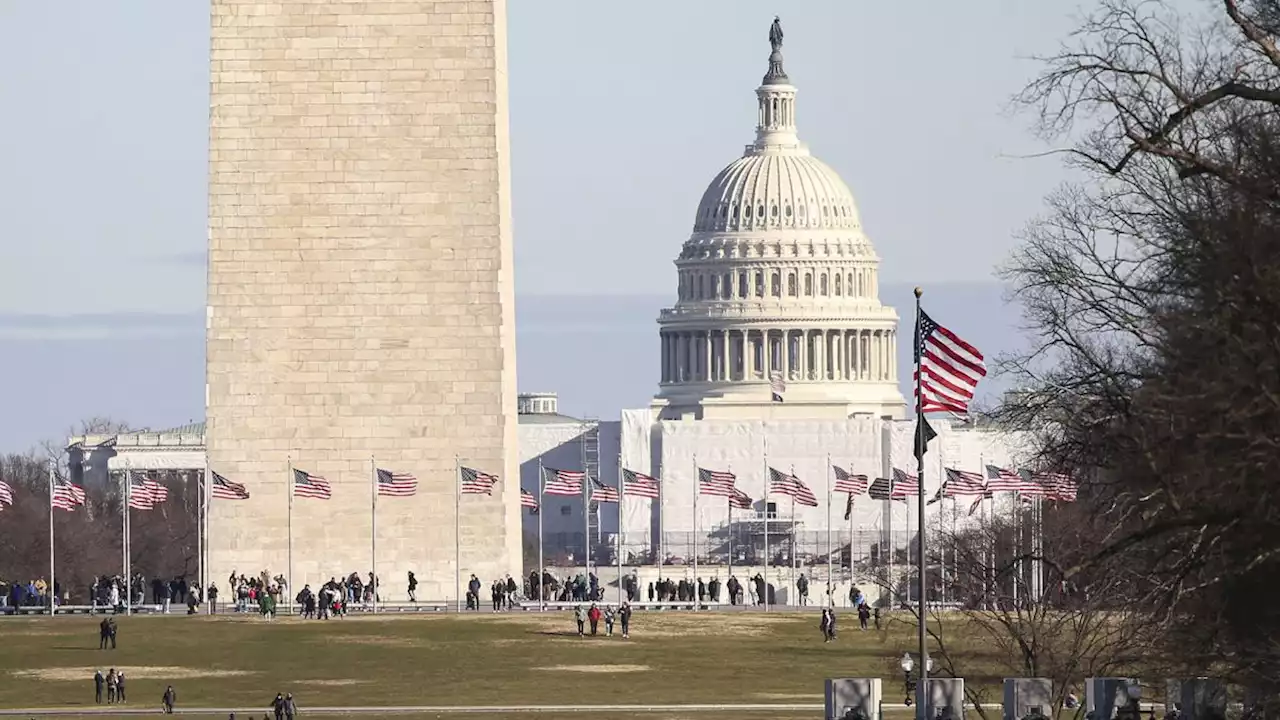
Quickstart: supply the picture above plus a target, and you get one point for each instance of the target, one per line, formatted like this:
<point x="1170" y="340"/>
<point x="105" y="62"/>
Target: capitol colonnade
<point x="799" y="354"/>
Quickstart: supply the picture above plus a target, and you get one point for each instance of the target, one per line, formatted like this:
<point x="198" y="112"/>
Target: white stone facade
<point x="360" y="284"/>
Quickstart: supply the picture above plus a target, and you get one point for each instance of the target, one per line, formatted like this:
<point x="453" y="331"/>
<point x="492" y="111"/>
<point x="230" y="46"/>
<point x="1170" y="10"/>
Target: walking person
<point x="277" y="706"/>
<point x="864" y="614"/>
<point x="825" y="625"/>
<point x="413" y="588"/>
<point x="111" y="686"/>
<point x="594" y="616"/>
<point x="120" y="686"/>
<point x="99" y="680"/>
<point x="170" y="697"/>
<point x="608" y="620"/>
<point x="290" y="707"/>
<point x="580" y="617"/>
<point x="624" y="617"/>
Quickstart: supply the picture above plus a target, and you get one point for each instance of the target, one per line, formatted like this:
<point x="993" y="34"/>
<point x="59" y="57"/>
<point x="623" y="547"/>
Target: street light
<point x="908" y="687"/>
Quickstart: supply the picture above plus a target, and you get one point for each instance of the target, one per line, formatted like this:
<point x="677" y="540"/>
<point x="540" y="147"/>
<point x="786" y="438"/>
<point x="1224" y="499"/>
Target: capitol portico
<point x="778" y="282"/>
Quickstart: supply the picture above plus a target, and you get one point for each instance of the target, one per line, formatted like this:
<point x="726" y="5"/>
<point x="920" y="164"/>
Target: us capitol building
<point x="776" y="353"/>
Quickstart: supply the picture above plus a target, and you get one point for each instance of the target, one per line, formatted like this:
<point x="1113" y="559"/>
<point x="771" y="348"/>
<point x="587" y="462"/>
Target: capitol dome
<point x="775" y="188"/>
<point x="778" y="311"/>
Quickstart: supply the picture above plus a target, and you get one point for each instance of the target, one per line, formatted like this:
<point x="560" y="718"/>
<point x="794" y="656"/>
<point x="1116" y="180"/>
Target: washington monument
<point x="360" y="290"/>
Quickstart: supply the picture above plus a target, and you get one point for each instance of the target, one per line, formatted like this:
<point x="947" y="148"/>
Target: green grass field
<point x="482" y="659"/>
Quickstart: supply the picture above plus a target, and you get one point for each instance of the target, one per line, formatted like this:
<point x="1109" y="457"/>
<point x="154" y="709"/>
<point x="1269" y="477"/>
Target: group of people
<point x="33" y="593"/>
<point x="113" y="683"/>
<point x="594" y="615"/>
<point x="503" y="593"/>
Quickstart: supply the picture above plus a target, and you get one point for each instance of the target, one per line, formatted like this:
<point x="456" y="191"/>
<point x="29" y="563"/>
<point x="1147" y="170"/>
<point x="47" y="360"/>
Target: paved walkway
<point x="432" y="709"/>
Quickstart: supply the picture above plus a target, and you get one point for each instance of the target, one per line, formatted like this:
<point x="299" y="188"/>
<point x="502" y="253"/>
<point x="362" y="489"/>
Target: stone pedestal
<point x="1027" y="696"/>
<point x="1103" y="695"/>
<point x="945" y="694"/>
<point x="1197" y="698"/>
<point x="852" y="697"/>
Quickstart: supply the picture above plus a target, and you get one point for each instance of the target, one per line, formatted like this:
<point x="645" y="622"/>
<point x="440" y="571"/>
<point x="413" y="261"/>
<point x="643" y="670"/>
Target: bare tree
<point x="1152" y="294"/>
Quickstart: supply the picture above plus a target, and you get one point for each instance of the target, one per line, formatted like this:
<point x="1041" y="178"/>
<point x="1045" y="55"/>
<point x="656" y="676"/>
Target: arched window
<point x="743" y="286"/>
<point x="838" y="283"/>
<point x="715" y="287"/>
<point x="791" y="284"/>
<point x="775" y="285"/>
<point x="808" y="285"/>
<point x="702" y="286"/>
<point x="849" y="280"/>
<point x="759" y="284"/>
<point x="735" y="211"/>
<point x="726" y="287"/>
<point x="822" y="284"/>
<point x="760" y="212"/>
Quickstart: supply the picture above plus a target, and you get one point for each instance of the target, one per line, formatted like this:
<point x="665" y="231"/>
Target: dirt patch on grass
<point x="658" y="625"/>
<point x="335" y="682"/>
<point x="597" y="668"/>
<point x="383" y="640"/>
<point x="82" y="674"/>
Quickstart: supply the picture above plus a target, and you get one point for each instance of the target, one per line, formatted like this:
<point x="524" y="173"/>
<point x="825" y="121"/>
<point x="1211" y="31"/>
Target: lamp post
<point x="908" y="664"/>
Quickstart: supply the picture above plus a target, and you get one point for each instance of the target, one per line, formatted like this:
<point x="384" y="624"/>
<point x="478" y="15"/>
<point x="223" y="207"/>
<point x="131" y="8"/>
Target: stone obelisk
<point x="361" y="305"/>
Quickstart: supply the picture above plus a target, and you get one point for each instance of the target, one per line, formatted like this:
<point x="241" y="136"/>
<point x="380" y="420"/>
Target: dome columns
<point x="811" y="354"/>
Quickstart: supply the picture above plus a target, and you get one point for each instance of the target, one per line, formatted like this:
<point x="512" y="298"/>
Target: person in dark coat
<point x="120" y="686"/>
<point x="170" y="697"/>
<point x="624" y="617"/>
<point x="99" y="681"/>
<point x="290" y="707"/>
<point x="277" y="706"/>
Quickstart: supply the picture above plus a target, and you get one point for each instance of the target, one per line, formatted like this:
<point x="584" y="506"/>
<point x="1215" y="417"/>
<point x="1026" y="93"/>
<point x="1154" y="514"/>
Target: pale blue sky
<point x="621" y="112"/>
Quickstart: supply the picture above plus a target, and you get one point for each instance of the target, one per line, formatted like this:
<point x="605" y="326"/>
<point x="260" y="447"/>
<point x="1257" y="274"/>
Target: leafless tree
<point x="1152" y="293"/>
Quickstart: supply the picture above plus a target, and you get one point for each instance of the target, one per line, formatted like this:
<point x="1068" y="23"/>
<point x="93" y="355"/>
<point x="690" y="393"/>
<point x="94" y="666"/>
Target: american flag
<point x="716" y="483"/>
<point x="880" y="489"/>
<point x="847" y="482"/>
<point x="1057" y="486"/>
<point x="475" y="482"/>
<point x="904" y="485"/>
<point x="141" y="495"/>
<point x="740" y="500"/>
<point x="394" y="484"/>
<point x="776" y="386"/>
<point x="6" y="494"/>
<point x="1003" y="480"/>
<point x="224" y="489"/>
<point x="791" y="486"/>
<point x="950" y="368"/>
<point x="66" y="496"/>
<point x="961" y="483"/>
<point x="159" y="493"/>
<point x="978" y="503"/>
<point x="640" y="485"/>
<point x="603" y="493"/>
<point x="528" y="500"/>
<point x="307" y="485"/>
<point x="562" y="482"/>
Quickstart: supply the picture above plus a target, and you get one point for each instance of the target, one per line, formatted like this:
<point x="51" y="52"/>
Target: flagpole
<point x="731" y="536"/>
<point x="587" y="492"/>
<point x="622" y="497"/>
<point x="696" y="491"/>
<point x="831" y="587"/>
<point x="923" y="685"/>
<point x="204" y="556"/>
<point x="53" y="606"/>
<point x="767" y="560"/>
<point x="289" y="489"/>
<point x="373" y="528"/>
<point x="457" y="533"/>
<point x="792" y="550"/>
<point x="662" y="539"/>
<point x="124" y="535"/>
<point x="849" y="505"/>
<point x="542" y="588"/>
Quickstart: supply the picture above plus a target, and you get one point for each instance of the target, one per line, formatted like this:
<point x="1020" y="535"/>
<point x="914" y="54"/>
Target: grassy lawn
<point x="449" y="660"/>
